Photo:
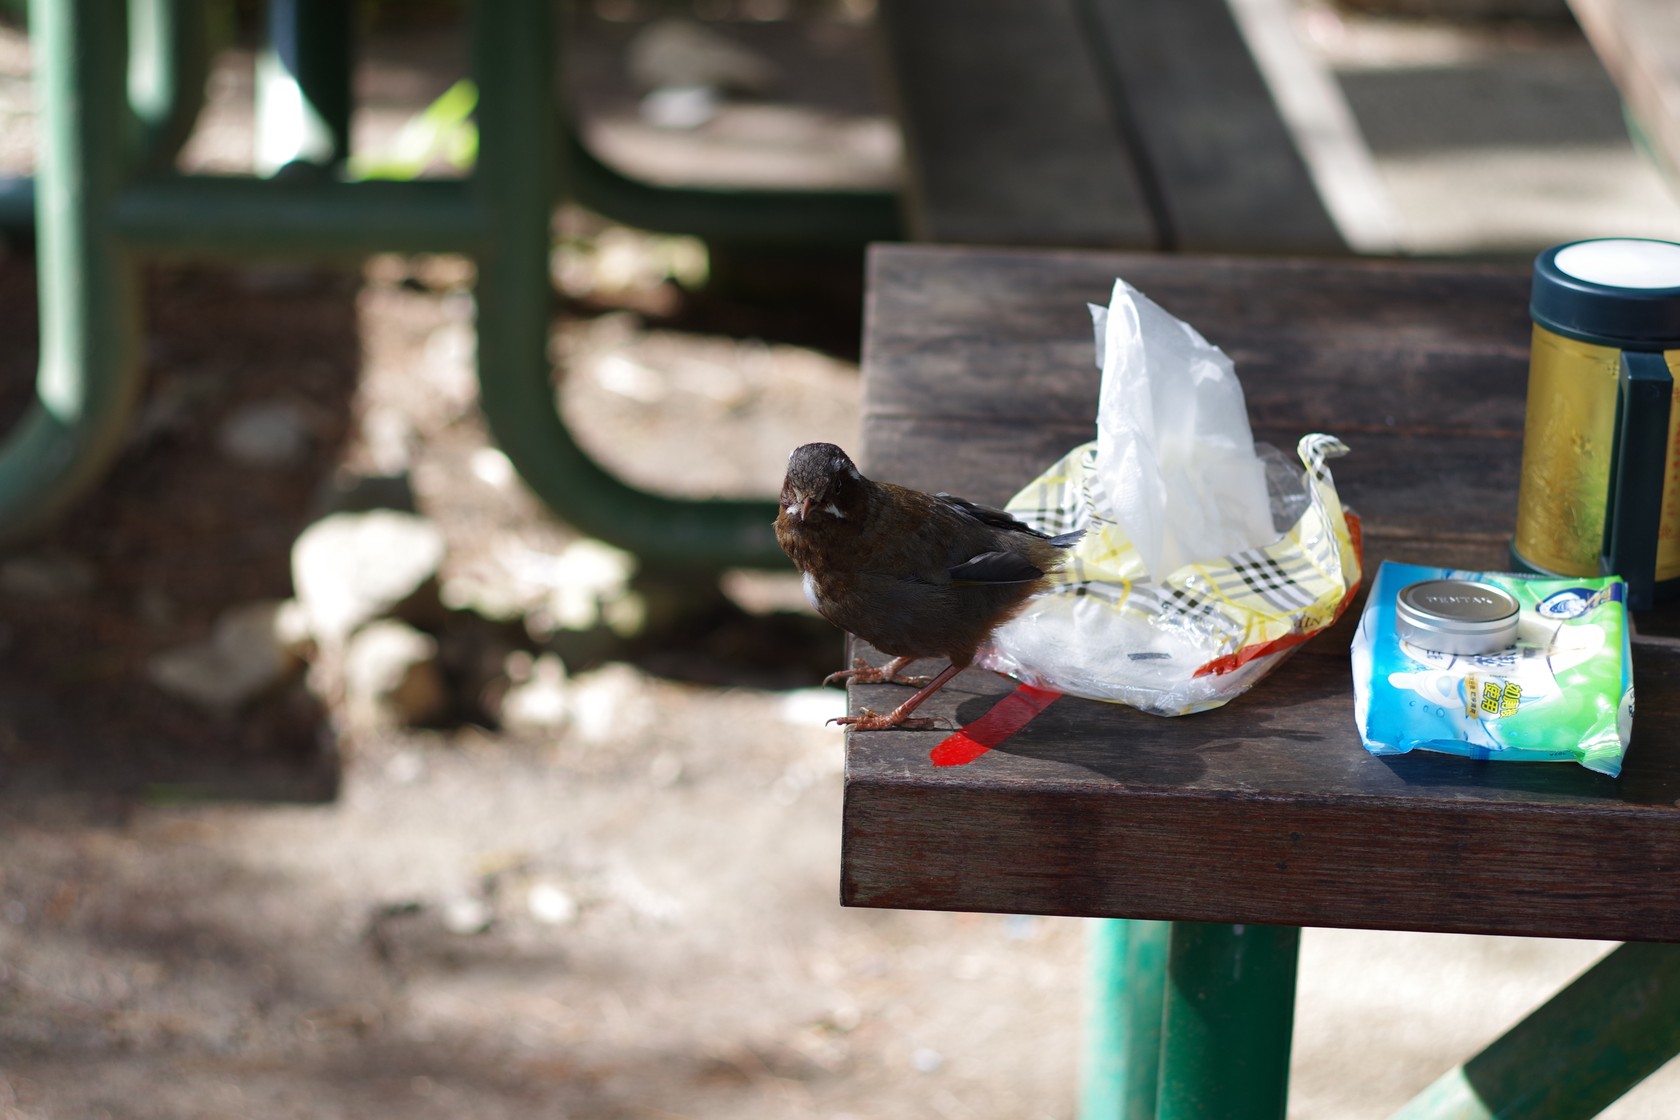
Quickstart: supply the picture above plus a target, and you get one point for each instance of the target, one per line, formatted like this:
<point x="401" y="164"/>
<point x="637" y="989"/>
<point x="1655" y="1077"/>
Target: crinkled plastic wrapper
<point x="1204" y="561"/>
<point x="1196" y="639"/>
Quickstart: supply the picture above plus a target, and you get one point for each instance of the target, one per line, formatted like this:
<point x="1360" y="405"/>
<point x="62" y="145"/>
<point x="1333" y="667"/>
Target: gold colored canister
<point x="1600" y="486"/>
<point x="1568" y="451"/>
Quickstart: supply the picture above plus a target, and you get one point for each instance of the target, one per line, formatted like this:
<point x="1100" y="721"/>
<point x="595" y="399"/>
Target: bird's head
<point x="822" y="482"/>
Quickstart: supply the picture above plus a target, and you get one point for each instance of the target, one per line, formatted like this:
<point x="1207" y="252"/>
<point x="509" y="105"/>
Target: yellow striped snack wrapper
<point x="1195" y="639"/>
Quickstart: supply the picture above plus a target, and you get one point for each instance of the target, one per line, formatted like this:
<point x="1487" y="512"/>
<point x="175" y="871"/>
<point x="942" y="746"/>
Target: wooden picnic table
<point x="1135" y="124"/>
<point x="1267" y="814"/>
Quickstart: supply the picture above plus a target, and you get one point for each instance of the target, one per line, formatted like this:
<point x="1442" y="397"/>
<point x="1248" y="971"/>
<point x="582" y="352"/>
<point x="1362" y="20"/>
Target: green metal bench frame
<point x="1191" y="1021"/>
<point x="112" y="119"/>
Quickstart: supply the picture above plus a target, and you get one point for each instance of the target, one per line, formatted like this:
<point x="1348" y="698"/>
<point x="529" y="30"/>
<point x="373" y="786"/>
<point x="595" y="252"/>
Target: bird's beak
<point x="805" y="509"/>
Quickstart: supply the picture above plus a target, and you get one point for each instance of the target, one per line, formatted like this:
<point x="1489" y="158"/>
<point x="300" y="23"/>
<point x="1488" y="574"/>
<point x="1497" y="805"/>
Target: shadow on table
<point x="1294" y="732"/>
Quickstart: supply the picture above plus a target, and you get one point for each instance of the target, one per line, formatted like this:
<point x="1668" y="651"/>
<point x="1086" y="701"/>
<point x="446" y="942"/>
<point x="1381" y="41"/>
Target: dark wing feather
<point x="986" y="515"/>
<point x="995" y="567"/>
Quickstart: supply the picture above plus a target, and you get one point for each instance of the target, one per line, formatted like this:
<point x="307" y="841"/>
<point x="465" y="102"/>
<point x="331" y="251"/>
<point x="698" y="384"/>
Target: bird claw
<point x="862" y="672"/>
<point x="867" y="720"/>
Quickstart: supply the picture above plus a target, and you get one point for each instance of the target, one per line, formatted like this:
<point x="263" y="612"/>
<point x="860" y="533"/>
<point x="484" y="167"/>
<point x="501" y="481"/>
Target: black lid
<point x="1618" y="291"/>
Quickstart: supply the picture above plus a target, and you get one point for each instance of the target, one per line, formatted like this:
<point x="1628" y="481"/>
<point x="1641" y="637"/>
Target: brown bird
<point x="913" y="574"/>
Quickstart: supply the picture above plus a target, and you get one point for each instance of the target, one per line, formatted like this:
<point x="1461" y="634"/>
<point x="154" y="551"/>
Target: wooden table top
<point x="978" y="373"/>
<point x="1130" y="115"/>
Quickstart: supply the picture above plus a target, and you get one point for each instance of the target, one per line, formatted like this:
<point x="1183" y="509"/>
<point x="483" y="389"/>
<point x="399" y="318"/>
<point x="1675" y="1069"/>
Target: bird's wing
<point x="995" y="567"/>
<point x="985" y="515"/>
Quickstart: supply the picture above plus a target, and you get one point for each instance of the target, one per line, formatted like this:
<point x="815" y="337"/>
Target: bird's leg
<point x="874" y="721"/>
<point x="862" y="672"/>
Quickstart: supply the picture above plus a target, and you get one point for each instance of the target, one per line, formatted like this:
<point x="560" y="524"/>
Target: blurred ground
<point x="626" y="910"/>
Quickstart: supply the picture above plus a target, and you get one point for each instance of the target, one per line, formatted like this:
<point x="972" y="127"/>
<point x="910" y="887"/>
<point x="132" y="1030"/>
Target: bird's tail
<point x="1067" y="540"/>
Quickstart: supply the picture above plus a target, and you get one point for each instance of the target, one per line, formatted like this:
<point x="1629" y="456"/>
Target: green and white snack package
<point x="1563" y="690"/>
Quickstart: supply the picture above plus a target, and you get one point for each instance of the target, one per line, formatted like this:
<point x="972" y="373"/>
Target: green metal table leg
<point x="303" y="86"/>
<point x="168" y="65"/>
<point x="518" y="134"/>
<point x="1612" y="1027"/>
<point x="1230" y="1010"/>
<point x="170" y="43"/>
<point x="1125" y="983"/>
<point x="96" y="214"/>
<point x="298" y="217"/>
<point x="89" y="377"/>
<point x="831" y="219"/>
<point x="816" y="219"/>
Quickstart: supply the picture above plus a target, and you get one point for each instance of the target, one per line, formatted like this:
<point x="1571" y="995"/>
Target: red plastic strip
<point x="1006" y="717"/>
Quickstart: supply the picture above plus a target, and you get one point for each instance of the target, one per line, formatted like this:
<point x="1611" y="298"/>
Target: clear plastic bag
<point x="1204" y="561"/>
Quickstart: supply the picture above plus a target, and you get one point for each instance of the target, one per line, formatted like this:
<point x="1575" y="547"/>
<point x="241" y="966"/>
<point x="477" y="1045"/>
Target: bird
<point x="913" y="574"/>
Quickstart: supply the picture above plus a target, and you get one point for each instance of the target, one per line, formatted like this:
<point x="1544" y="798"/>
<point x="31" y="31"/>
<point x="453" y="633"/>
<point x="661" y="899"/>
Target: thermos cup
<point x="1599" y="494"/>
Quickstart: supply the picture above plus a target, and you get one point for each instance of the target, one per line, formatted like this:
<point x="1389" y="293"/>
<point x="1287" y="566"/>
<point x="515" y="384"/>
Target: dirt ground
<point x="628" y="913"/>
<point x="634" y="915"/>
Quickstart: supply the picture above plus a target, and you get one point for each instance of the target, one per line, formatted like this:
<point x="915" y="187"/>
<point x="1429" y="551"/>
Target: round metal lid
<point x="1615" y="291"/>
<point x="1460" y="616"/>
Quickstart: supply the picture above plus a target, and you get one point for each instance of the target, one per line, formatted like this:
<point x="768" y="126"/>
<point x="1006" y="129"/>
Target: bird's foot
<point x="862" y="672"/>
<point x="867" y="720"/>
<point x="899" y="717"/>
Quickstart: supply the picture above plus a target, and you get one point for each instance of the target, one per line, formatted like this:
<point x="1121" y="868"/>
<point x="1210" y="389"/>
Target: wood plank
<point x="1406" y="489"/>
<point x="996" y="348"/>
<point x="1009" y="138"/>
<point x="1264" y="811"/>
<point x="1007" y="328"/>
<point x="1267" y="810"/>
<point x="1206" y="130"/>
<point x="1639" y="43"/>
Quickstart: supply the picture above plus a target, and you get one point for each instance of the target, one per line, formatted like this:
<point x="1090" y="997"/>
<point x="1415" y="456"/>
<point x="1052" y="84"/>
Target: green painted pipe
<point x="517" y="162"/>
<point x="1126" y="971"/>
<point x="89" y="377"/>
<point x="170" y="44"/>
<point x="1608" y="1030"/>
<point x="1226" y="1028"/>
<point x="100" y="215"/>
<point x="168" y="66"/>
<point x="300" y="215"/>
<point x="818" y="219"/>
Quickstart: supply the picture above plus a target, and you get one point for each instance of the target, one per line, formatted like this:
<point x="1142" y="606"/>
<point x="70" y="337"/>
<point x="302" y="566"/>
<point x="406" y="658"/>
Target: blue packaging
<point x="1562" y="692"/>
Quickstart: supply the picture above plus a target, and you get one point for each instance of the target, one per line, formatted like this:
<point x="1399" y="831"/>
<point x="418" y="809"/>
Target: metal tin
<point x="1459" y="616"/>
<point x="1613" y="291"/>
<point x="1600" y="456"/>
